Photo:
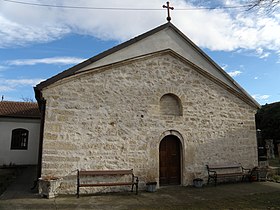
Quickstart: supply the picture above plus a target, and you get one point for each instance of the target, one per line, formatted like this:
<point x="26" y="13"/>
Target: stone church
<point x="156" y="104"/>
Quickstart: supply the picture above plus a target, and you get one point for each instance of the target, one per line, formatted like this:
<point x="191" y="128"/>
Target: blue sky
<point x="37" y="42"/>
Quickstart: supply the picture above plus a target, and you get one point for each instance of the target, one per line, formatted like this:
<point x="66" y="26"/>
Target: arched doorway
<point x="170" y="161"/>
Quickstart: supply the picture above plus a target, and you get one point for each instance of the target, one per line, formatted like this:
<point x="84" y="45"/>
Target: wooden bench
<point x="227" y="170"/>
<point x="83" y="174"/>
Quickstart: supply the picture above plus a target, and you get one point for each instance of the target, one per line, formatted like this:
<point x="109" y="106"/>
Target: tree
<point x="268" y="5"/>
<point x="268" y="121"/>
<point x="26" y="99"/>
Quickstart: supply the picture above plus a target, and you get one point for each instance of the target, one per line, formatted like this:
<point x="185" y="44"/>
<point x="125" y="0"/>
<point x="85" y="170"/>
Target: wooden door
<point x="169" y="161"/>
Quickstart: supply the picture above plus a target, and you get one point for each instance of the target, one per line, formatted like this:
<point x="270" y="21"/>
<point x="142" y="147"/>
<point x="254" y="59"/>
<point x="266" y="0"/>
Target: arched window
<point x="170" y="104"/>
<point x="19" y="139"/>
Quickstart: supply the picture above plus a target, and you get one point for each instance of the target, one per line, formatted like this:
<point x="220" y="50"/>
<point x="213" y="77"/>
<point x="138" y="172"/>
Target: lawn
<point x="274" y="162"/>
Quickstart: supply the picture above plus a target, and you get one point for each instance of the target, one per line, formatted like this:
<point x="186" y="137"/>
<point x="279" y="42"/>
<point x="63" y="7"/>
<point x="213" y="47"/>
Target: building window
<point x="170" y="104"/>
<point x="19" y="139"/>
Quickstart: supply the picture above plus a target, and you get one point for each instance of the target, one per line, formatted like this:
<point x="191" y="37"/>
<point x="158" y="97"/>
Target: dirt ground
<point x="7" y="176"/>
<point x="256" y="195"/>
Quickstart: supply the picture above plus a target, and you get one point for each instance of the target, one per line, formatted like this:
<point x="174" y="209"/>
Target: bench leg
<point x="78" y="183"/>
<point x="132" y="187"/>
<point x="136" y="188"/>
<point x="78" y="192"/>
<point x="215" y="179"/>
<point x="136" y="185"/>
<point x="245" y="177"/>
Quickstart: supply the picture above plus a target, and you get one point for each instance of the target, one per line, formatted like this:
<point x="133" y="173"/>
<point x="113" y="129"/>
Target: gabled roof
<point x="164" y="37"/>
<point x="74" y="69"/>
<point x="19" y="110"/>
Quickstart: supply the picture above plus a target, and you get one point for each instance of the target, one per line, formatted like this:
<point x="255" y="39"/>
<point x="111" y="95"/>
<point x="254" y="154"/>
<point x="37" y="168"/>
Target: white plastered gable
<point x="167" y="38"/>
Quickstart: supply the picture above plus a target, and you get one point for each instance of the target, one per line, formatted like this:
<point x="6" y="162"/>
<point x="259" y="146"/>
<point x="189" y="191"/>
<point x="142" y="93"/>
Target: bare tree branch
<point x="26" y="99"/>
<point x="265" y="3"/>
<point x="266" y="6"/>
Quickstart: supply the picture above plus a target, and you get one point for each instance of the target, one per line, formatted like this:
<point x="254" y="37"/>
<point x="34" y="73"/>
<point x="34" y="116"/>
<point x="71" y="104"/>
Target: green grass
<point x="257" y="201"/>
<point x="274" y="162"/>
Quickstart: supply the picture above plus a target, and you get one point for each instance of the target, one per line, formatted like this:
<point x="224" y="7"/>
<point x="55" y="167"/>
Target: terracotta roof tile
<point x="19" y="109"/>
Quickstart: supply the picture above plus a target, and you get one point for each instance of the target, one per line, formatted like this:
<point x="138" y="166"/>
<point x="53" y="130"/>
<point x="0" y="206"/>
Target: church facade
<point x="156" y="104"/>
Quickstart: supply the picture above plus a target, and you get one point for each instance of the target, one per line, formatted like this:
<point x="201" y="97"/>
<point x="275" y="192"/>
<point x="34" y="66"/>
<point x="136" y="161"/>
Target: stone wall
<point x="110" y="119"/>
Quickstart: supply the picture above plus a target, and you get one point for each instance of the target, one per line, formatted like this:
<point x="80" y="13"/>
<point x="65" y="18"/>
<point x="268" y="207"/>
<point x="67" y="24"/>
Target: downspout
<point x="42" y="106"/>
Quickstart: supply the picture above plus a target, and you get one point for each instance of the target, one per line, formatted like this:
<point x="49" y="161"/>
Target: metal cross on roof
<point x="168" y="11"/>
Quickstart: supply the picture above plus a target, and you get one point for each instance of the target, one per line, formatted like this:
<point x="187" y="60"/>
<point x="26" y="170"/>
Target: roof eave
<point x="72" y="70"/>
<point x="255" y="103"/>
<point x="21" y="117"/>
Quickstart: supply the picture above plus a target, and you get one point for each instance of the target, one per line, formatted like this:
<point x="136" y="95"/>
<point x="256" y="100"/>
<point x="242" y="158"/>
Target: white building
<point x="19" y="133"/>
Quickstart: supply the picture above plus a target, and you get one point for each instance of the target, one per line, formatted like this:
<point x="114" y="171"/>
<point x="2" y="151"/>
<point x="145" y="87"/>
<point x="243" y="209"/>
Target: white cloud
<point x="15" y="33"/>
<point x="7" y="85"/>
<point x="261" y="54"/>
<point x="260" y="97"/>
<point x="22" y="82"/>
<point x="222" y="29"/>
<point x="235" y="73"/>
<point x="54" y="60"/>
<point x="4" y="88"/>
<point x="256" y="77"/>
<point x="224" y="66"/>
<point x="2" y="68"/>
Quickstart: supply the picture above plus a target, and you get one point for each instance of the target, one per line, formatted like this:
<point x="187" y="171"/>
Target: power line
<point x="76" y="7"/>
<point x="125" y="8"/>
<point x="219" y="7"/>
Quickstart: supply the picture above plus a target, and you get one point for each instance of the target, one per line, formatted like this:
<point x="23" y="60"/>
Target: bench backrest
<point x="224" y="169"/>
<point x="105" y="172"/>
<point x="224" y="166"/>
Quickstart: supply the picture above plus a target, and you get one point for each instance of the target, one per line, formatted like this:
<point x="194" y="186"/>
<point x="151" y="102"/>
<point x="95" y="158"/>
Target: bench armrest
<point x="246" y="170"/>
<point x="136" y="179"/>
<point x="211" y="173"/>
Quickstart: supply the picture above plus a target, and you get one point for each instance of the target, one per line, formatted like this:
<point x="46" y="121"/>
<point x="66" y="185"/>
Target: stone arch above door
<point x="172" y="132"/>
